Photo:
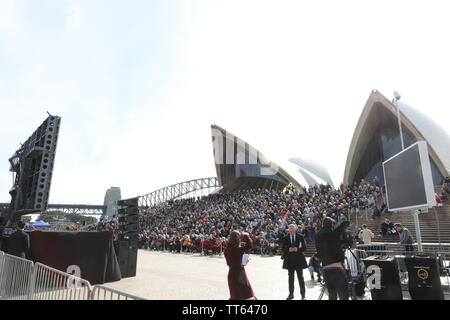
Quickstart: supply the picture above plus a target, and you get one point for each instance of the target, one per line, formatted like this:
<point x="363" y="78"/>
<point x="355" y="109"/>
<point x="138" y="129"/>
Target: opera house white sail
<point x="377" y="138"/>
<point x="309" y="169"/>
<point x="240" y="166"/>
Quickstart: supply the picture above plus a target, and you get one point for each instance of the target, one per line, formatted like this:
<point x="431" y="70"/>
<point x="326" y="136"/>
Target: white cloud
<point x="11" y="16"/>
<point x="73" y="21"/>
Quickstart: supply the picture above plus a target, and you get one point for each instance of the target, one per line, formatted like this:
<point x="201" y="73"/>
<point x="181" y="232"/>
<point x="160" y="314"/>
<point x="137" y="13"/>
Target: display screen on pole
<point x="408" y="179"/>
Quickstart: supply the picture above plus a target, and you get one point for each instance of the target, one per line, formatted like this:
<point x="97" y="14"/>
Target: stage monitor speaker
<point x="424" y="278"/>
<point x="390" y="288"/>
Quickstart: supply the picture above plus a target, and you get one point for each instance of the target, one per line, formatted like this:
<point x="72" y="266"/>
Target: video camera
<point x="347" y="239"/>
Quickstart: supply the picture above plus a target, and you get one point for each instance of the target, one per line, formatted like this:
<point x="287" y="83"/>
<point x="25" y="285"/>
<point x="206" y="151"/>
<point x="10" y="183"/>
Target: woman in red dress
<point x="240" y="288"/>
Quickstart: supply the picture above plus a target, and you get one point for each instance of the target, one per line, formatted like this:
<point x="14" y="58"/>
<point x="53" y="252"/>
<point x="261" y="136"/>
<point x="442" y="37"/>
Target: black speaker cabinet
<point x="132" y="236"/>
<point x="424" y="278"/>
<point x="134" y="227"/>
<point x="133" y="202"/>
<point x="132" y="211"/>
<point x="132" y="263"/>
<point x="128" y="219"/>
<point x="128" y="258"/>
<point x="123" y="257"/>
<point x="390" y="288"/>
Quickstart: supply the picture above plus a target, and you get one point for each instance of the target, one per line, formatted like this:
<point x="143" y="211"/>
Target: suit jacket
<point x="19" y="244"/>
<point x="293" y="260"/>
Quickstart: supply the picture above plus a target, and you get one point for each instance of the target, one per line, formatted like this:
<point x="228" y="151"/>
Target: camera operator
<point x="329" y="247"/>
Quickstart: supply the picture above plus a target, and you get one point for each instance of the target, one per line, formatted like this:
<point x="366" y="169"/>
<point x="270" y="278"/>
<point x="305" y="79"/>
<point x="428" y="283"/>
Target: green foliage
<point x="48" y="216"/>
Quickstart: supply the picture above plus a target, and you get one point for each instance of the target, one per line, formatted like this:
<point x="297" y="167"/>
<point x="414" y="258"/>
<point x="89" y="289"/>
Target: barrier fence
<point x="15" y="277"/>
<point x="21" y="279"/>
<point x="202" y="246"/>
<point x="105" y="293"/>
<point x="52" y="284"/>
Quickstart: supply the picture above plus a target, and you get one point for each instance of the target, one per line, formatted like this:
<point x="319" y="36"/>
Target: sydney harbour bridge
<point x="186" y="189"/>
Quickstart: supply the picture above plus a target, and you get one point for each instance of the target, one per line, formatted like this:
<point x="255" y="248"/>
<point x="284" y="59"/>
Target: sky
<point x="138" y="83"/>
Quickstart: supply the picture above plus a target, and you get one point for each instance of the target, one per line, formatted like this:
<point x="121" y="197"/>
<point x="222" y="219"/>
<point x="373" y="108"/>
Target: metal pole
<point x="439" y="230"/>
<point x="399" y="122"/>
<point x="417" y="225"/>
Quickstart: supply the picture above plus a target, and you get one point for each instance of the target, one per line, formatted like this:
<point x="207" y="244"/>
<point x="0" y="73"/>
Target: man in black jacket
<point x="19" y="242"/>
<point x="294" y="261"/>
<point x="330" y="251"/>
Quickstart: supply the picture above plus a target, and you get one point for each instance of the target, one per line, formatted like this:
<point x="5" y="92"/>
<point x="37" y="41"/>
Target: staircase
<point x="428" y="227"/>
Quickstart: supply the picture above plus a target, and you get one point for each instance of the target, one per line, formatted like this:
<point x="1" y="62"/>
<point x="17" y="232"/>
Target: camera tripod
<point x="351" y="283"/>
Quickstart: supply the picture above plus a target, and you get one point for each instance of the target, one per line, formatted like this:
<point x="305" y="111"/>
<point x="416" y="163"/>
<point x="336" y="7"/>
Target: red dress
<point x="240" y="288"/>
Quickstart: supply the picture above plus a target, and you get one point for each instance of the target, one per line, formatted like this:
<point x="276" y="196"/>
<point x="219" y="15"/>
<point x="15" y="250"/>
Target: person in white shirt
<point x="366" y="235"/>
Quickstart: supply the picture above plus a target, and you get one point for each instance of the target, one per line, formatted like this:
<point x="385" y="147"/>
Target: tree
<point x="68" y="217"/>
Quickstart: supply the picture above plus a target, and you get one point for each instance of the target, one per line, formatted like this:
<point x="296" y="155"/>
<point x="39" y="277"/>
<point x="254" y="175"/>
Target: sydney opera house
<point x="240" y="166"/>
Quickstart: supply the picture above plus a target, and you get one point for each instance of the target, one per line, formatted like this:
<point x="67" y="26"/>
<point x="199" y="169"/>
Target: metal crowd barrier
<point x="15" y="277"/>
<point x="379" y="249"/>
<point x="354" y="261"/>
<point x="21" y="279"/>
<point x="105" y="293"/>
<point x="52" y="284"/>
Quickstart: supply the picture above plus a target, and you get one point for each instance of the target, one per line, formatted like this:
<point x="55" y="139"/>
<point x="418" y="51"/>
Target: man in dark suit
<point x="19" y="241"/>
<point x="294" y="261"/>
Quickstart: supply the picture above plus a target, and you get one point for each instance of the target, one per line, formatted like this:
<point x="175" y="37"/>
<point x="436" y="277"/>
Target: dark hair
<point x="20" y="224"/>
<point x="398" y="225"/>
<point x="327" y="222"/>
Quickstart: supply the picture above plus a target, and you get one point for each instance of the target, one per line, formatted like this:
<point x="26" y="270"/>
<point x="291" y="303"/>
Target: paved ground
<point x="173" y="276"/>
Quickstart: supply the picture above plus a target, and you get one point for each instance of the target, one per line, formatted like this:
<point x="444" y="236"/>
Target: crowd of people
<point x="445" y="193"/>
<point x="205" y="223"/>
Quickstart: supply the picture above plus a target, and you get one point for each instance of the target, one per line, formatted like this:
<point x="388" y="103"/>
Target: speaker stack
<point x="33" y="167"/>
<point x="128" y="216"/>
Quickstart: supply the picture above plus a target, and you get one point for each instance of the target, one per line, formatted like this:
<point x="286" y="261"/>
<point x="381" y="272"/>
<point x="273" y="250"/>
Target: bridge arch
<point x="177" y="191"/>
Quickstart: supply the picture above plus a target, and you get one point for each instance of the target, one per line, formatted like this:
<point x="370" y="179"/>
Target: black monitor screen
<point x="404" y="180"/>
